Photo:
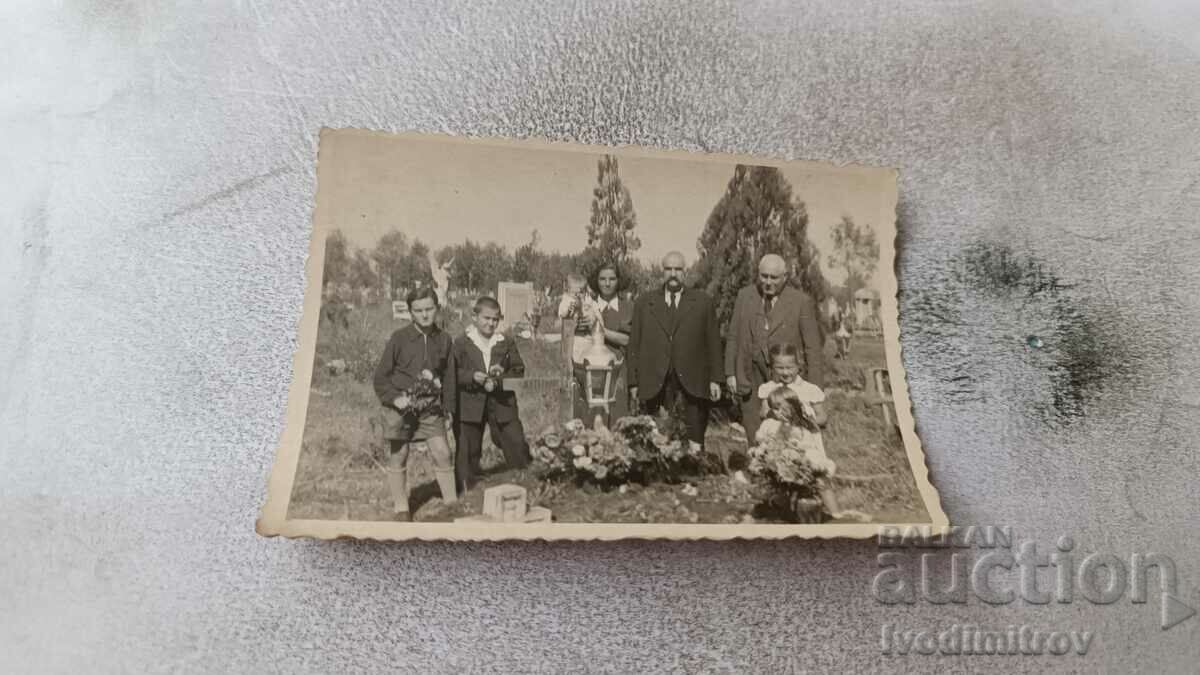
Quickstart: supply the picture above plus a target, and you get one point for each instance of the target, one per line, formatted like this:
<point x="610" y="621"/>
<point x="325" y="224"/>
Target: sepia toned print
<point x="526" y="340"/>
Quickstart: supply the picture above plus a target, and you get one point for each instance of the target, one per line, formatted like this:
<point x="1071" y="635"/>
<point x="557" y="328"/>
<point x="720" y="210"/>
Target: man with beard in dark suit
<point x="675" y="349"/>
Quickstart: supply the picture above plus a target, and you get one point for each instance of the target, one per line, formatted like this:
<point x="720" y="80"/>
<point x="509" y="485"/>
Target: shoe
<point x="402" y="517"/>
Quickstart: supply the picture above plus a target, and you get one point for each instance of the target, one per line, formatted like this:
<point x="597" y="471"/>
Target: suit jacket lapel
<point x="658" y="307"/>
<point x="775" y="319"/>
<point x="758" y="322"/>
<point x="478" y="356"/>
<point x="475" y="354"/>
<point x="687" y="298"/>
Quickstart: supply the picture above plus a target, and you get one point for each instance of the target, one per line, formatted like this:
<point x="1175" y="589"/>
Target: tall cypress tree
<point x="610" y="232"/>
<point x="757" y="215"/>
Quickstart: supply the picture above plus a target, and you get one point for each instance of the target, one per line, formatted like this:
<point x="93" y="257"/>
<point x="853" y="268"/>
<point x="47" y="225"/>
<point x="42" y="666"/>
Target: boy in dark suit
<point x="483" y="358"/>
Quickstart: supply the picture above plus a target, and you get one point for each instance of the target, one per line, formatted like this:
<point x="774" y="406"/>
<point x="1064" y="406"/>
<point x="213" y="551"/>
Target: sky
<point x="445" y="192"/>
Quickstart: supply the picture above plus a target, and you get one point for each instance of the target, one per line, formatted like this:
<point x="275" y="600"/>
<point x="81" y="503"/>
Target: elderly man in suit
<point x="767" y="313"/>
<point x="675" y="349"/>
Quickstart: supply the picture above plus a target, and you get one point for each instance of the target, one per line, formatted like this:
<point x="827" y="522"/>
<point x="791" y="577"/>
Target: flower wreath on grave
<point x="634" y="450"/>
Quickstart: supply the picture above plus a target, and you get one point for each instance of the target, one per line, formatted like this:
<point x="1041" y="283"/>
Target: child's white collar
<point x="477" y="337"/>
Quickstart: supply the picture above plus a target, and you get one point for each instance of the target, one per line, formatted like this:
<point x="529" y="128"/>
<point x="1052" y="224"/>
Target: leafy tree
<point x="527" y="258"/>
<point x="757" y="215"/>
<point x="497" y="267"/>
<point x="416" y="264"/>
<point x="467" y="269"/>
<point x="611" y="228"/>
<point x="389" y="254"/>
<point x="856" y="251"/>
<point x="337" y="260"/>
<point x="360" y="275"/>
<point x="644" y="276"/>
<point x="551" y="269"/>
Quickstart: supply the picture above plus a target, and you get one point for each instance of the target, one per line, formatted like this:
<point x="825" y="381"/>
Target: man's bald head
<point x="772" y="274"/>
<point x="773" y="264"/>
<point x="672" y="264"/>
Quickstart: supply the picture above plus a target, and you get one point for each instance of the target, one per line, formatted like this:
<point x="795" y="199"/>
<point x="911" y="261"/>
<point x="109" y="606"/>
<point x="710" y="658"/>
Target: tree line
<point x="757" y="214"/>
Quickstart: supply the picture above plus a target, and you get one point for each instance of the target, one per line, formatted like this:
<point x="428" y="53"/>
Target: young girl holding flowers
<point x="790" y="425"/>
<point x="788" y="418"/>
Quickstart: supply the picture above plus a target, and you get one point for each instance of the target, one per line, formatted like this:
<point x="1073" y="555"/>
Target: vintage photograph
<point x="527" y="340"/>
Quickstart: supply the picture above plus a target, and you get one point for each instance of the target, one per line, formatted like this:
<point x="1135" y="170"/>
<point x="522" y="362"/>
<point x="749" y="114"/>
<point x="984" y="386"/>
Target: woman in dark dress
<point x="606" y="284"/>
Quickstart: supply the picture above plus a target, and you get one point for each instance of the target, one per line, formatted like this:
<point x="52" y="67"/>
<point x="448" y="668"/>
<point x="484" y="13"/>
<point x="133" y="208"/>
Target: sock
<point x="446" y="482"/>
<point x="398" y="484"/>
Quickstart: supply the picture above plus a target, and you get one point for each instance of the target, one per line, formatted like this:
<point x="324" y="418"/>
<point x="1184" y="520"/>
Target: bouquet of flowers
<point x="789" y="480"/>
<point x="424" y="396"/>
<point x="635" y="450"/>
<point x="662" y="455"/>
<point x="492" y="383"/>
<point x="588" y="456"/>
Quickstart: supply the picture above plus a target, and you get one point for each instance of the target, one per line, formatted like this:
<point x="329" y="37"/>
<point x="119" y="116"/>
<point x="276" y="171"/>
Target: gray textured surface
<point x="157" y="182"/>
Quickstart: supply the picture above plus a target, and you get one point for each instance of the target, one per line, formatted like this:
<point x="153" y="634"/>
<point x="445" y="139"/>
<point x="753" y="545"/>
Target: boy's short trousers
<point x="398" y="426"/>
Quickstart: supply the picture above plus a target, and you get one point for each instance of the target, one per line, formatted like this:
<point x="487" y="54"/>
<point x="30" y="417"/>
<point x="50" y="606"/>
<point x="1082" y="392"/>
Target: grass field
<point x="340" y="473"/>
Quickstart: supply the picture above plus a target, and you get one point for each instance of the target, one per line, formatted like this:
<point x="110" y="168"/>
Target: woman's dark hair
<point x="422" y="293"/>
<point x="594" y="277"/>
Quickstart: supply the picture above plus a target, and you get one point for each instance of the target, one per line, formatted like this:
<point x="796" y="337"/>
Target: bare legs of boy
<point x="397" y="474"/>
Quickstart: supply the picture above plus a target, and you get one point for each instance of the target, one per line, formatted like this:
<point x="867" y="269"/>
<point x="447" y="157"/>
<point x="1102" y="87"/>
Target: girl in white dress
<point x="785" y="372"/>
<point x="788" y="417"/>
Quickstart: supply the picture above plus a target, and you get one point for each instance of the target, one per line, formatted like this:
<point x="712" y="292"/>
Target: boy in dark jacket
<point x="483" y="358"/>
<point x="415" y="384"/>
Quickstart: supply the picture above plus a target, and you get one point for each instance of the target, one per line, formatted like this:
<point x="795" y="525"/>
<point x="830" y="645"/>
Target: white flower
<point x="583" y="462"/>
<point x="579" y="451"/>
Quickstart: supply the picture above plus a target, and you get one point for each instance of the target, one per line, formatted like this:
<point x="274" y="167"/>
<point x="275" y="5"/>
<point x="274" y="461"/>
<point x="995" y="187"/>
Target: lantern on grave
<point x="600" y="364"/>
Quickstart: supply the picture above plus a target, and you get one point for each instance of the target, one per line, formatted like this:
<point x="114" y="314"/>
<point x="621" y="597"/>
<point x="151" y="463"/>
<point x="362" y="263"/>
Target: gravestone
<point x="516" y="301"/>
<point x="546" y="394"/>
<point x="508" y="503"/>
<point x="543" y="401"/>
<point x="505" y="503"/>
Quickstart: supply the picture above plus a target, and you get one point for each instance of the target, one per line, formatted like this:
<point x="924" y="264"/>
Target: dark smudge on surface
<point x="993" y="295"/>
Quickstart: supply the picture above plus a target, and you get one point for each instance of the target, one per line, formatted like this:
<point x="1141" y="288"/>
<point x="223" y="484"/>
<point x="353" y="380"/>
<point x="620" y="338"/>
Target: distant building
<point x="866" y="309"/>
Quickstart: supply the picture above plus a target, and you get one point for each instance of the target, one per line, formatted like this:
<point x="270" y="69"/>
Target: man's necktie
<point x="674" y="301"/>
